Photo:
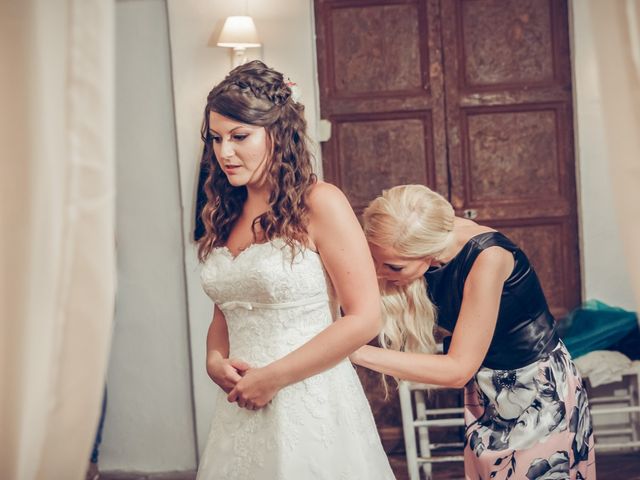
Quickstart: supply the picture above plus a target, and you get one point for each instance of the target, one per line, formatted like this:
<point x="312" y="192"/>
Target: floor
<point x="610" y="467"/>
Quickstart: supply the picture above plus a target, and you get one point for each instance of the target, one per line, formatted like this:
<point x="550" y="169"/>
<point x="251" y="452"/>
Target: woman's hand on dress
<point x="226" y="372"/>
<point x="255" y="389"/>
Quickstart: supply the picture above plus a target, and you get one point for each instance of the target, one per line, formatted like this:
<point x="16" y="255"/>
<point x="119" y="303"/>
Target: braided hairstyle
<point x="258" y="95"/>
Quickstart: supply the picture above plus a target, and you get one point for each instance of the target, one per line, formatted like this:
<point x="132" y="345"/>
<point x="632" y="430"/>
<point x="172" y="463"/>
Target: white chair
<point x="618" y="404"/>
<point x="418" y="422"/>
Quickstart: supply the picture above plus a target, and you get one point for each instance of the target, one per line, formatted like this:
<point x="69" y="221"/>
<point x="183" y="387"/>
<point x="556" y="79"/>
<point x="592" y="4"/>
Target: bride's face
<point x="242" y="150"/>
<point x="397" y="269"/>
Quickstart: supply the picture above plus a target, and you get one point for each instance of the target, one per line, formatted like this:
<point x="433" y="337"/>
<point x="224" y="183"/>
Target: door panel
<point x="509" y="129"/>
<point x="543" y="243"/>
<point x="377" y="50"/>
<point x="380" y="72"/>
<point x="505" y="43"/>
<point x="382" y="150"/>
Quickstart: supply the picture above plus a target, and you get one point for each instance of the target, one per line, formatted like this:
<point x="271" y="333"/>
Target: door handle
<point x="324" y="130"/>
<point x="470" y="213"/>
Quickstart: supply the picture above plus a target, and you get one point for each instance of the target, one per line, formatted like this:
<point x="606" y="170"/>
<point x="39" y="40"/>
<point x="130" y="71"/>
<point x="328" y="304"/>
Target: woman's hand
<point x="255" y="389"/>
<point x="226" y="372"/>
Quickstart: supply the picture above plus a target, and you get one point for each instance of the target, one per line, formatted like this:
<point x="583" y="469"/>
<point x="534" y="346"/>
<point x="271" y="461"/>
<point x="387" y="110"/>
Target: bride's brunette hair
<point x="258" y="95"/>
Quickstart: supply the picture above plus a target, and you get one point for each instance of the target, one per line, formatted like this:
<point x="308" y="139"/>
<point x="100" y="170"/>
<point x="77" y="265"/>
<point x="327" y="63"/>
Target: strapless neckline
<point x="275" y="242"/>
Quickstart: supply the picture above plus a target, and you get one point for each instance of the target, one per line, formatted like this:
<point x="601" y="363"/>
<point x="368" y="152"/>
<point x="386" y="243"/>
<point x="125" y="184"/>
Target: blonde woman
<point x="526" y="410"/>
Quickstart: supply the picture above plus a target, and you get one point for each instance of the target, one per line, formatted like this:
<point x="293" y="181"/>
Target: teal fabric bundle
<point x="595" y="326"/>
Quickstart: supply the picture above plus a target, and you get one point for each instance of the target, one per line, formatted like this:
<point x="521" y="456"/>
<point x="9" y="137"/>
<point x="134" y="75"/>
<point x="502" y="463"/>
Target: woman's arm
<point x="223" y="371"/>
<point x="471" y="337"/>
<point x="338" y="237"/>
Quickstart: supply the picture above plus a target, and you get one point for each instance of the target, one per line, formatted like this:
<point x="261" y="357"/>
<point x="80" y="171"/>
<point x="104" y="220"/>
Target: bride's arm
<point x="222" y="370"/>
<point x="337" y="236"/>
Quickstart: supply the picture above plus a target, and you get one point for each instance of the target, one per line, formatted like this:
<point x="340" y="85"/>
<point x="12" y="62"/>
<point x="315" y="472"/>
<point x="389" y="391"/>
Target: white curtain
<point x="56" y="232"/>
<point x="616" y="35"/>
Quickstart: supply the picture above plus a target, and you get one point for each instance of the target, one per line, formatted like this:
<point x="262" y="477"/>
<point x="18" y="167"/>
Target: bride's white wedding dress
<point x="318" y="429"/>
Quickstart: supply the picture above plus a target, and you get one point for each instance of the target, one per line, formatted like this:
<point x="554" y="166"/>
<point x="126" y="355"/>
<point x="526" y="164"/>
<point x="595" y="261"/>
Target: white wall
<point x="285" y="28"/>
<point x="149" y="422"/>
<point x="604" y="269"/>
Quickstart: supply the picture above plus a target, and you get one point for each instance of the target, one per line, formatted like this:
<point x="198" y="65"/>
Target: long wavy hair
<point x="417" y="223"/>
<point x="258" y="95"/>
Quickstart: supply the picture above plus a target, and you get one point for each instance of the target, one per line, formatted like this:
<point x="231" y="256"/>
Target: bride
<point x="280" y="252"/>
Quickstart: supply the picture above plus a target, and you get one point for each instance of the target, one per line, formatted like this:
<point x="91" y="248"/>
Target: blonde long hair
<point x="417" y="223"/>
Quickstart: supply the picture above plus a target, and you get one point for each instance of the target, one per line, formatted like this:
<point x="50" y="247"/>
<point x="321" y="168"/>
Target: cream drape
<point x="57" y="232"/>
<point x="616" y="30"/>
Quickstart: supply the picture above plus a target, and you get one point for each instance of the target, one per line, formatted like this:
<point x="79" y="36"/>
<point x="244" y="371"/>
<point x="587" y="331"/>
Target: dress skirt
<point x="529" y="423"/>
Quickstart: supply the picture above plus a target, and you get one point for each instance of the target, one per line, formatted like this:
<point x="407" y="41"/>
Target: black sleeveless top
<point x="525" y="330"/>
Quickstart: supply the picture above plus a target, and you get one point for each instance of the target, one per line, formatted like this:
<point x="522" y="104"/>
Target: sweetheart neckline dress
<point x="320" y="428"/>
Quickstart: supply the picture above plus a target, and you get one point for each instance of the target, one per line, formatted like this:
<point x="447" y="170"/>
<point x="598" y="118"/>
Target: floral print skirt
<point x="530" y="423"/>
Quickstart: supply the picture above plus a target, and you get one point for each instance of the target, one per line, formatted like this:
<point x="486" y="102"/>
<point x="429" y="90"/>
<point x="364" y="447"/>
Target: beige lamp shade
<point x="239" y="32"/>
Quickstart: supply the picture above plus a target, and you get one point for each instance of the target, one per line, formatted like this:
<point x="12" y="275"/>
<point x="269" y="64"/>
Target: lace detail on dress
<point x="319" y="428"/>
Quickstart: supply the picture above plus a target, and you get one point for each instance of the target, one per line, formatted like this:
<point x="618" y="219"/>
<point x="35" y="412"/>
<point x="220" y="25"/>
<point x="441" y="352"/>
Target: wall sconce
<point x="239" y="33"/>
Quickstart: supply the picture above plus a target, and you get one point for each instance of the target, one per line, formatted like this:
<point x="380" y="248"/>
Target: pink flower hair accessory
<point x="296" y="96"/>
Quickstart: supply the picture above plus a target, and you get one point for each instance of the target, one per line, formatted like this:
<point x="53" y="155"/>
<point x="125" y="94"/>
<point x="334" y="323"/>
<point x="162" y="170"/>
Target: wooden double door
<point x="472" y="98"/>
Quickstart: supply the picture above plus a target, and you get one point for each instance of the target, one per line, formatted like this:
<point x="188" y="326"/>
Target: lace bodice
<point x="264" y="293"/>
